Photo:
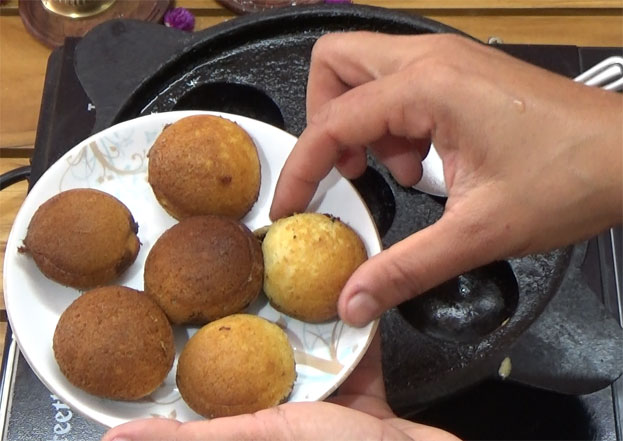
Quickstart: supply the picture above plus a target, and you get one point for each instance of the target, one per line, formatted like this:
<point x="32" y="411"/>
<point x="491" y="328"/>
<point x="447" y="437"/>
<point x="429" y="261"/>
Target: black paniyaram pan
<point x="532" y="320"/>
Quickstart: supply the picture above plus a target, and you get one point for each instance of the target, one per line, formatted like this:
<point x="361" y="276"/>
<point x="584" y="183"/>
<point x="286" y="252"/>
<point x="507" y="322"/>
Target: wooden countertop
<point x="23" y="59"/>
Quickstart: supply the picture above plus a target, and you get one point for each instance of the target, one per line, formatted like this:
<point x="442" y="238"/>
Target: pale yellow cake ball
<point x="308" y="258"/>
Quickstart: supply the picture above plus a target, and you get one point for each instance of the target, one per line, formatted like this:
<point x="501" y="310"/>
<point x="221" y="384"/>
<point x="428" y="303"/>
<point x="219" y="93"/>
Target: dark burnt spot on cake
<point x="330" y="216"/>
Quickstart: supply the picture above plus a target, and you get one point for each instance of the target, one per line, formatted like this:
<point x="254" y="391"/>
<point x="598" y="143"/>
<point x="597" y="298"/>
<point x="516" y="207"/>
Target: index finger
<point x="309" y="162"/>
<point x="339" y="63"/>
<point x="348" y="123"/>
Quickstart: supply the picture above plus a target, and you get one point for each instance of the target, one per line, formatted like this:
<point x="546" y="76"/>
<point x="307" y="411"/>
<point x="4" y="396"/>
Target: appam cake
<point x="308" y="257"/>
<point x="82" y="238"/>
<point x="238" y="364"/>
<point x="114" y="342"/>
<point x="204" y="268"/>
<point x="204" y="164"/>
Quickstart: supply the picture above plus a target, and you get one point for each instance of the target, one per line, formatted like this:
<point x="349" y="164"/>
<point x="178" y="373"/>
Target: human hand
<point x="358" y="412"/>
<point x="532" y="160"/>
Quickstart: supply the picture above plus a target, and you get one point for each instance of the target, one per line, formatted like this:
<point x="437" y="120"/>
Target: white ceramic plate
<point x="115" y="161"/>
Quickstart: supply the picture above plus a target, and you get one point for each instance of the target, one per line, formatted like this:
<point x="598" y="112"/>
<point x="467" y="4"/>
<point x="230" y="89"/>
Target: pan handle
<point x="14" y="176"/>
<point x="574" y="347"/>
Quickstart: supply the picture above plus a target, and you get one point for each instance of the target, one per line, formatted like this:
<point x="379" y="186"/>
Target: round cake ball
<point x="204" y="268"/>
<point x="202" y="165"/>
<point x="82" y="238"/>
<point x="114" y="342"/>
<point x="238" y="364"/>
<point x="308" y="258"/>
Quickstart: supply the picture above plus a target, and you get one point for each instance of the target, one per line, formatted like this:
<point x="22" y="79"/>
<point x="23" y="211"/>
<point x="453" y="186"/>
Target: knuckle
<point x="334" y="44"/>
<point x="400" y="277"/>
<point x="434" y="68"/>
<point x="445" y="58"/>
<point x="451" y="44"/>
<point x="434" y="73"/>
<point x="275" y="424"/>
<point x="323" y="48"/>
<point x="322" y="119"/>
<point x="406" y="273"/>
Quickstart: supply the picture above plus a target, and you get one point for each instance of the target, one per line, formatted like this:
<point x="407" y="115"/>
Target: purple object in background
<point x="179" y="18"/>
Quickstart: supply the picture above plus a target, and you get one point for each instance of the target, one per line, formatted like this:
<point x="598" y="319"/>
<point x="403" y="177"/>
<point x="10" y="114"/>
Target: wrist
<point x="608" y="159"/>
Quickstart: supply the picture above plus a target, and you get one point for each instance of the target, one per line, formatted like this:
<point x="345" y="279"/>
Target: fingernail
<point x="361" y="309"/>
<point x="121" y="439"/>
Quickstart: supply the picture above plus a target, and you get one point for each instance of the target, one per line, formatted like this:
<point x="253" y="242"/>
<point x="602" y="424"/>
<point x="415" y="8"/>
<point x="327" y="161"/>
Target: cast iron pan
<point x="434" y="345"/>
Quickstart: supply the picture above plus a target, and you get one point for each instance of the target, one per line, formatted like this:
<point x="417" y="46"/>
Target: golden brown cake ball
<point x="114" y="342"/>
<point x="308" y="258"/>
<point x="205" y="164"/>
<point x="82" y="238"/>
<point x="238" y="364"/>
<point x="204" y="268"/>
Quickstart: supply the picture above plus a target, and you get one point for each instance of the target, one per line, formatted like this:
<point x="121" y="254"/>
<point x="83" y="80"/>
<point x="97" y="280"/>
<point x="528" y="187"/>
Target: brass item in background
<point x="77" y="8"/>
<point x="51" y="21"/>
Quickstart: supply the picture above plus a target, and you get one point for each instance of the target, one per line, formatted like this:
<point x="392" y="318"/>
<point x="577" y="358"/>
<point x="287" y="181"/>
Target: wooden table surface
<point x="23" y="60"/>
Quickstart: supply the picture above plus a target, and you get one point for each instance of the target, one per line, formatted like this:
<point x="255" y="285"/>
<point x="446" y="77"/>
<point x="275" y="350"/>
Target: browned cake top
<point x="82" y="238"/>
<point x="238" y="364"/>
<point x="204" y="268"/>
<point x="114" y="342"/>
<point x="205" y="164"/>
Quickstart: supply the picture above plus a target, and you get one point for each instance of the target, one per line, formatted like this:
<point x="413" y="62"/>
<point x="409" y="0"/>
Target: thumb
<point x="412" y="266"/>
<point x="288" y="422"/>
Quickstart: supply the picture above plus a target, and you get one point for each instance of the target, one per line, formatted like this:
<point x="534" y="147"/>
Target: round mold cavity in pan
<point x="468" y="307"/>
<point x="239" y="99"/>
